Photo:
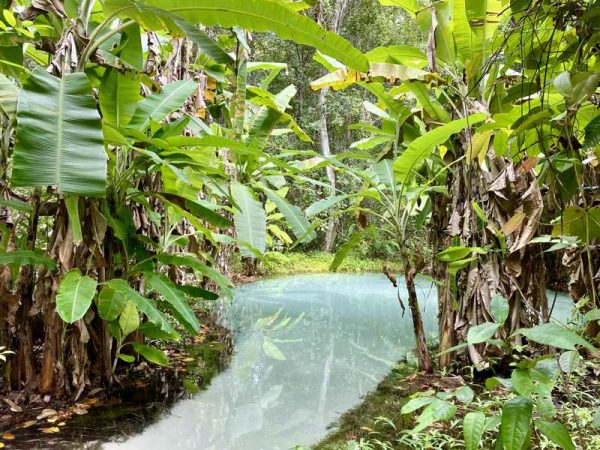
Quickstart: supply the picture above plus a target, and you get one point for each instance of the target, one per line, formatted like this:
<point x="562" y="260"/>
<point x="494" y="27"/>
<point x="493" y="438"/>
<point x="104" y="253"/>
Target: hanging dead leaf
<point x="48" y="412"/>
<point x="530" y="163"/>
<point x="8" y="436"/>
<point x="513" y="223"/>
<point x="50" y="430"/>
<point x="13" y="406"/>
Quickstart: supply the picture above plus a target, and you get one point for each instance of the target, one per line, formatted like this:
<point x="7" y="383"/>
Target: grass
<point x="275" y="263"/>
<point x="365" y="420"/>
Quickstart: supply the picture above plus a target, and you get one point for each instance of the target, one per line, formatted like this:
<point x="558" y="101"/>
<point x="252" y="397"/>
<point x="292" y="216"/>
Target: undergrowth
<point x="275" y="263"/>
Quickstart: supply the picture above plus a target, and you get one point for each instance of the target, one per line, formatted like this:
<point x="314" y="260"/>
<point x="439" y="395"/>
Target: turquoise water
<point x="308" y="348"/>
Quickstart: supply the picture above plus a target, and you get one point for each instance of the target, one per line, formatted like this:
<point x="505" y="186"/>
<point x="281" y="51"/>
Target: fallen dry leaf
<point x="13" y="406"/>
<point x="48" y="412"/>
<point x="80" y="411"/>
<point x="50" y="430"/>
<point x="8" y="436"/>
<point x="62" y="424"/>
<point x="28" y="424"/>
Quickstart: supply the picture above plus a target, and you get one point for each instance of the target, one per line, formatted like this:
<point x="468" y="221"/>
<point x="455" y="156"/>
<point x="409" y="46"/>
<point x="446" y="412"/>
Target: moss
<point x="275" y="263"/>
<point x="386" y="401"/>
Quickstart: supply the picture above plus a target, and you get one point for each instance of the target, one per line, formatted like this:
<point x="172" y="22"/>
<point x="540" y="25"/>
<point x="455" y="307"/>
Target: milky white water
<point x="335" y="337"/>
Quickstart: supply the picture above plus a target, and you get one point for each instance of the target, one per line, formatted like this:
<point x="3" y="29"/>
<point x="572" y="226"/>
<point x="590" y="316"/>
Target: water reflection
<point x="307" y="349"/>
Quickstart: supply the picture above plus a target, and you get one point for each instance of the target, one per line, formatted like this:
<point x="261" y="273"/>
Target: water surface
<point x="307" y="349"/>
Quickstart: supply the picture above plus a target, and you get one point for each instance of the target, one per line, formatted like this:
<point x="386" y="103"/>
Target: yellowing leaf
<point x="50" y="430"/>
<point x="513" y="223"/>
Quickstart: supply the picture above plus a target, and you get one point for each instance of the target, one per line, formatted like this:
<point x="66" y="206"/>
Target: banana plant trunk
<point x="511" y="201"/>
<point x="422" y="352"/>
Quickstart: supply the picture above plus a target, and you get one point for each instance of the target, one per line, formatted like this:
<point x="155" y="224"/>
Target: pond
<point x="308" y="348"/>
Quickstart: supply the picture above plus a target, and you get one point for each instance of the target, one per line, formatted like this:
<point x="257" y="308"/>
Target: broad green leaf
<point x="421" y="148"/>
<point x="555" y="335"/>
<point x="438" y="410"/>
<point x="596" y="419"/>
<point x="250" y="219"/>
<point x="127" y="358"/>
<point x="152" y="354"/>
<point x="72" y="204"/>
<point x="129" y="320"/>
<point x="253" y="15"/>
<point x="577" y="221"/>
<point x="325" y="204"/>
<point x="17" y="205"/>
<point x="557" y="433"/>
<point x="204" y="43"/>
<point x="157" y="106"/>
<point x="415" y="403"/>
<point x="176" y="298"/>
<point x="75" y="295"/>
<point x="522" y="381"/>
<point x="481" y="333"/>
<point x="499" y="309"/>
<point x="294" y="216"/>
<point x="410" y="6"/>
<point x="192" y="261"/>
<point x="59" y="136"/>
<point x="144" y="304"/>
<point x="26" y="257"/>
<point x="514" y="426"/>
<point x="592" y="132"/>
<point x="151" y="331"/>
<point x="457" y="253"/>
<point x="464" y="394"/>
<point x="345" y="249"/>
<point x="569" y="361"/>
<point x="9" y="94"/>
<point x="384" y="170"/>
<point x="119" y="96"/>
<point x="473" y="427"/>
<point x="398" y="54"/>
<point x="110" y="304"/>
<point x="594" y="314"/>
<point x="197" y="292"/>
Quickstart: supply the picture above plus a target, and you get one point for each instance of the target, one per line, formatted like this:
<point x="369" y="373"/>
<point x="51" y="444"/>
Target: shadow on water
<point x="307" y="348"/>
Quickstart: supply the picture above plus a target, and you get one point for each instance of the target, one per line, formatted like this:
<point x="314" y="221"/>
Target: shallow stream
<point x="307" y="349"/>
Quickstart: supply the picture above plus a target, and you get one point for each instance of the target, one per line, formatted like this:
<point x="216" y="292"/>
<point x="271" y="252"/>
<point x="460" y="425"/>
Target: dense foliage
<point x="146" y="142"/>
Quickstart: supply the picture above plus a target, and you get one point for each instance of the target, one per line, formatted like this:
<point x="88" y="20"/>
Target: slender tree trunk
<point x="326" y="152"/>
<point x="341" y="7"/>
<point x="422" y="352"/>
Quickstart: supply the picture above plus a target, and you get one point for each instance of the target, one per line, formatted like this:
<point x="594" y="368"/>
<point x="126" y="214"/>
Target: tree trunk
<point x="422" y="352"/>
<point x="515" y="270"/>
<point x="326" y="152"/>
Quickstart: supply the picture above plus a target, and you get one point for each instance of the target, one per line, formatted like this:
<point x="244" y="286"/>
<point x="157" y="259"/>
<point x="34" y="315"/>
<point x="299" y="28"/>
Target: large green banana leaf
<point x="250" y="220"/>
<point x="118" y="96"/>
<point x="8" y="96"/>
<point x="421" y="148"/>
<point x="59" y="136"/>
<point x="293" y="215"/>
<point x="253" y="15"/>
<point x="157" y="106"/>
